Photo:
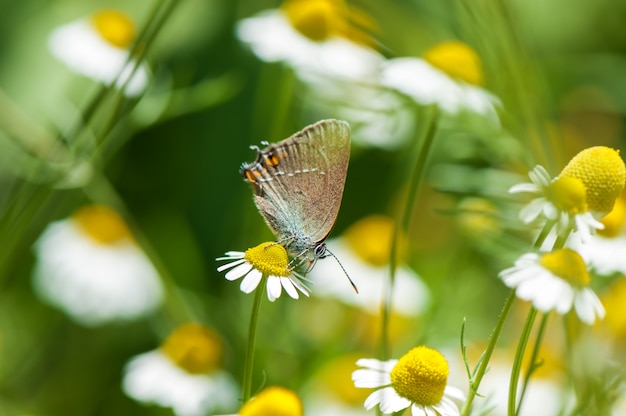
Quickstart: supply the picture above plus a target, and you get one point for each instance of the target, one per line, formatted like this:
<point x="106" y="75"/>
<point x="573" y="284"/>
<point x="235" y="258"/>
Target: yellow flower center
<point x="568" y="194"/>
<point x="421" y="376"/>
<point x="114" y="27"/>
<point x="194" y="348"/>
<point x="102" y="224"/>
<point x="458" y="60"/>
<point x="567" y="265"/>
<point x="315" y="19"/>
<point x="320" y="20"/>
<point x="602" y="171"/>
<point x="269" y="258"/>
<point x="370" y="238"/>
<point x="614" y="221"/>
<point x="273" y="401"/>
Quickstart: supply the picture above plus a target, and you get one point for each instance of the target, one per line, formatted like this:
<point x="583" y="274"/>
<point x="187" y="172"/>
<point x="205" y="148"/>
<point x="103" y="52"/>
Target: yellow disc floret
<point x="602" y="171"/>
<point x="194" y="348"/>
<point x="458" y="60"/>
<point x="567" y="265"/>
<point x="114" y="27"/>
<point x="320" y="20"/>
<point x="273" y="401"/>
<point x="568" y="194"/>
<point x="315" y="19"/>
<point x="421" y="376"/>
<point x="102" y="224"/>
<point x="370" y="238"/>
<point x="269" y="258"/>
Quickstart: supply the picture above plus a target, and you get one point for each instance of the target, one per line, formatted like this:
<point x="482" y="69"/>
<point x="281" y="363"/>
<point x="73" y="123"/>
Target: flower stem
<point x="532" y="364"/>
<point x="493" y="340"/>
<point x="254" y="319"/>
<point x="517" y="363"/>
<point x="423" y="152"/>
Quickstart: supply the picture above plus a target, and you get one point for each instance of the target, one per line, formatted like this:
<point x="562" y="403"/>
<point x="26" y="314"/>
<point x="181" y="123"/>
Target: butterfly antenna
<point x="344" y="270"/>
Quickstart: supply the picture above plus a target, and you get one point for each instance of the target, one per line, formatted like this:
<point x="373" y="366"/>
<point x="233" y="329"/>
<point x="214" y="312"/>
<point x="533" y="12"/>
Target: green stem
<point x="532" y="364"/>
<point x="100" y="190"/>
<point x="517" y="363"/>
<point x="254" y="319"/>
<point x="493" y="340"/>
<point x="423" y="152"/>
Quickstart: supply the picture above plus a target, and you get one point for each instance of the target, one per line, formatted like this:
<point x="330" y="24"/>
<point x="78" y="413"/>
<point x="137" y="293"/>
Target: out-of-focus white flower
<point x="419" y="380"/>
<point x="555" y="281"/>
<point x="364" y="253"/>
<point x="183" y="374"/>
<point x="336" y="65"/>
<point x="98" y="48"/>
<point x="90" y="267"/>
<point x="450" y="76"/>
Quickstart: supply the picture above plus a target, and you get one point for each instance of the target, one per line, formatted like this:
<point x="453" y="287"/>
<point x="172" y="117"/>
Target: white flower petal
<point x="274" y="288"/>
<point x="229" y="265"/>
<point x="366" y="378"/>
<point x="238" y="271"/>
<point x="587" y="306"/>
<point x="251" y="281"/>
<point x="388" y="400"/>
<point x="289" y="287"/>
<point x="530" y="212"/>
<point x="524" y="187"/>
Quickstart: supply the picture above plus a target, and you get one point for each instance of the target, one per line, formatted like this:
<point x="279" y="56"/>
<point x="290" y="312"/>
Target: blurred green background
<point x="173" y="162"/>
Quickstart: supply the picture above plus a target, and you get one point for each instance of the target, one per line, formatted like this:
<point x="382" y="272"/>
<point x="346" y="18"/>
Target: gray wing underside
<point x="301" y="194"/>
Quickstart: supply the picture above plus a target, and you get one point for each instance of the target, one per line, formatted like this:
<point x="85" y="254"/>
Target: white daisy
<point x="449" y="77"/>
<point x="417" y="380"/>
<point x="336" y="67"/>
<point x="561" y="200"/>
<point x="98" y="48"/>
<point x="183" y="374"/>
<point x="269" y="260"/>
<point x="310" y="36"/>
<point x="90" y="267"/>
<point x="555" y="281"/>
<point x="583" y="193"/>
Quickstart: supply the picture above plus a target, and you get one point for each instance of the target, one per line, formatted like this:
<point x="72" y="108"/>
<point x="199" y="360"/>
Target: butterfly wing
<point x="298" y="183"/>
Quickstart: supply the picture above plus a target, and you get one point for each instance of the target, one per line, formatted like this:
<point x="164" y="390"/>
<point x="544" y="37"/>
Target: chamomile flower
<point x="312" y="35"/>
<point x="267" y="260"/>
<point x="583" y="193"/>
<point x="555" y="281"/>
<point x="449" y="75"/>
<point x="335" y="64"/>
<point x="90" y="266"/>
<point x="275" y="401"/>
<point x="183" y="374"/>
<point x="417" y="380"/>
<point x="98" y="48"/>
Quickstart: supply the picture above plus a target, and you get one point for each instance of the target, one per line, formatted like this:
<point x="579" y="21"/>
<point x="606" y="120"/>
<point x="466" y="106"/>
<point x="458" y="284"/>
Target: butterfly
<point x="298" y="185"/>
